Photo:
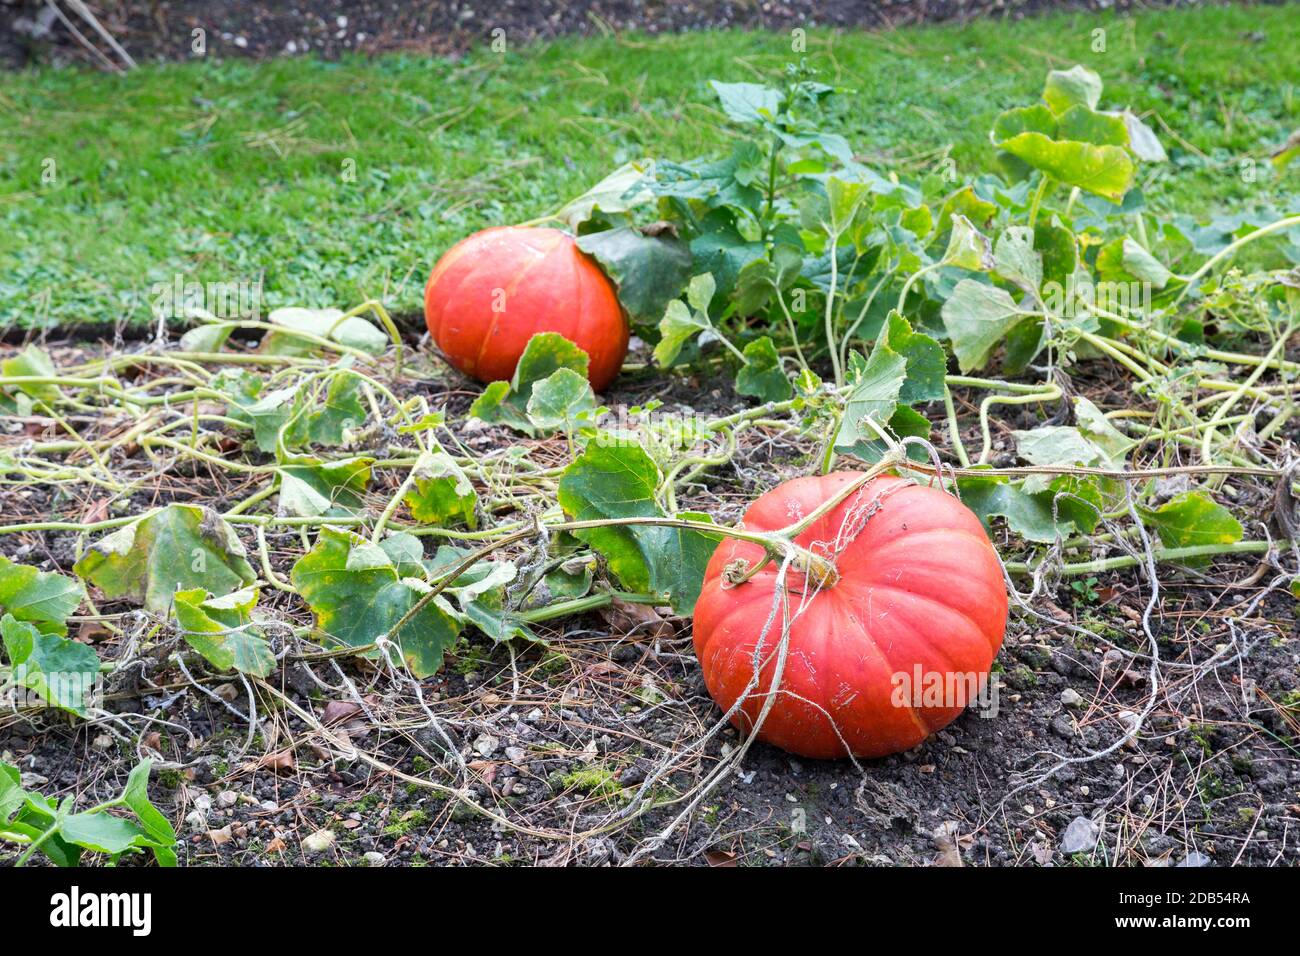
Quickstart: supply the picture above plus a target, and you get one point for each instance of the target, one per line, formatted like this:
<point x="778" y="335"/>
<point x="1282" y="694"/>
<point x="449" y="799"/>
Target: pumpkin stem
<point x="816" y="567"/>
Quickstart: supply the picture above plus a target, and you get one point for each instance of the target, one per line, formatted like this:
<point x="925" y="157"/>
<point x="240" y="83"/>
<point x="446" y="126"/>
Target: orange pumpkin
<point x="495" y="290"/>
<point x="878" y="659"/>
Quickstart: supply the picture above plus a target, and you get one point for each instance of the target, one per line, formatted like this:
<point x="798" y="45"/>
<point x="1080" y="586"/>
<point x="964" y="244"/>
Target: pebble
<point x="485" y="745"/>
<point x="1196" y="858"/>
<point x="227" y="798"/>
<point x="516" y="754"/>
<point x="1071" y="697"/>
<point x="1080" y="836"/>
<point x="318" y="842"/>
<point x="374" y="858"/>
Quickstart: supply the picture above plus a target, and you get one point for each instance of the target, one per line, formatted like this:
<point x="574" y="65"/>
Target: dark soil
<point x="559" y="737"/>
<point x="164" y="30"/>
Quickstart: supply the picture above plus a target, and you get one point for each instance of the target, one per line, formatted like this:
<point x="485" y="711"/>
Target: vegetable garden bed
<point x="343" y="601"/>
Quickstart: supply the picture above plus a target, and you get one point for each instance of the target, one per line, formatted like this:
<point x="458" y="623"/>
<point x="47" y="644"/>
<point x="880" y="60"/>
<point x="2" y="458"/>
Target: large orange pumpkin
<point x="919" y="593"/>
<point x="495" y="290"/>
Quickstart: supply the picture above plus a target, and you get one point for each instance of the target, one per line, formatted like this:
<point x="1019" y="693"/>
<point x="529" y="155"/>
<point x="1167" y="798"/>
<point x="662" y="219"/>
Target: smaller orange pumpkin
<point x="492" y="292"/>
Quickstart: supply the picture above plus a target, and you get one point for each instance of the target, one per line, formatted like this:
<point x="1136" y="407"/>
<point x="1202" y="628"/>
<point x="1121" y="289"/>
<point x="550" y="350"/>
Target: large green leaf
<point x="175" y="548"/>
<point x="874" y="397"/>
<point x="562" y="400"/>
<point x="648" y="270"/>
<point x="1105" y="170"/>
<point x="978" y="316"/>
<point x="506" y="403"/>
<point x="222" y="630"/>
<point x="748" y="102"/>
<point x="327" y="419"/>
<point x="441" y="493"/>
<point x="1077" y="86"/>
<point x="1033" y="516"/>
<point x="617" y="479"/>
<point x="1191" y="519"/>
<point x="60" y="670"/>
<point x="44" y="598"/>
<point x="310" y="487"/>
<point x="927" y="363"/>
<point x="622" y="190"/>
<point x="762" y="375"/>
<point x="358" y="597"/>
<point x="1015" y="258"/>
<point x="329" y="324"/>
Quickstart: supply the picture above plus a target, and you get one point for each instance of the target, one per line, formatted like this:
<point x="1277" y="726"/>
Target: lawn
<point x="338" y="181"/>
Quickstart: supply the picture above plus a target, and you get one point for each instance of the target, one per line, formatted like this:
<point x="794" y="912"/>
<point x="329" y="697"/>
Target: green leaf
<point x="874" y="396"/>
<point x="357" y="596"/>
<point x="1084" y="125"/>
<point x="407" y="554"/>
<point x="506" y="403"/>
<point x="483" y="604"/>
<point x="1192" y="519"/>
<point x="1143" y="141"/>
<point x="561" y="401"/>
<point x="621" y="191"/>
<point x="329" y="324"/>
<point x="175" y="548"/>
<point x="246" y="402"/>
<point x="1073" y="87"/>
<point x="1015" y="258"/>
<point x="1028" y="515"/>
<point x="136" y="797"/>
<point x="617" y="479"/>
<point x="1059" y="251"/>
<point x="1097" y="427"/>
<point x="32" y="362"/>
<point x="927" y="362"/>
<point x="978" y="317"/>
<point x="748" y="102"/>
<point x="1023" y="119"/>
<point x="441" y="494"/>
<point x="1104" y="170"/>
<point x="1094" y="443"/>
<point x="722" y="251"/>
<point x="648" y="270"/>
<point x="209" y="336"/>
<point x="327" y="421"/>
<point x="102" y="833"/>
<point x="60" y="670"/>
<point x="762" y="375"/>
<point x="310" y="487"/>
<point x="44" y="598"/>
<point x="222" y="630"/>
<point x="1124" y="260"/>
<point x="682" y="321"/>
<point x="968" y="248"/>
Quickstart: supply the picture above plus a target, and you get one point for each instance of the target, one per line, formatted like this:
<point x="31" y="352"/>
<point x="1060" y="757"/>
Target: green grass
<point x="234" y="170"/>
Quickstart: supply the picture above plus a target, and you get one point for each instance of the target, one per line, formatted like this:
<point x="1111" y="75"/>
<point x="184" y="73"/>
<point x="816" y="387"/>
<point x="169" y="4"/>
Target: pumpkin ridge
<point x="515" y="280"/>
<point x="452" y="296"/>
<point x="930" y="599"/>
<point x="911" y="537"/>
<point x="848" y="623"/>
<point x="939" y="649"/>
